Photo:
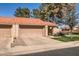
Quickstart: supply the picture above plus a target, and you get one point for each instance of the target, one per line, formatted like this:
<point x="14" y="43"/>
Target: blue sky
<point x="7" y="9"/>
<point x="77" y="7"/>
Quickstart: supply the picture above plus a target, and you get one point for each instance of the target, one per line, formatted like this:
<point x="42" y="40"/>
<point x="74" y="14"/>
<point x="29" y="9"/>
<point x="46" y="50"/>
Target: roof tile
<point x="28" y="21"/>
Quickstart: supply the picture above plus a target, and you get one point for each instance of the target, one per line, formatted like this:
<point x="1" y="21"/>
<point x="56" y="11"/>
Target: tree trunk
<point x="71" y="33"/>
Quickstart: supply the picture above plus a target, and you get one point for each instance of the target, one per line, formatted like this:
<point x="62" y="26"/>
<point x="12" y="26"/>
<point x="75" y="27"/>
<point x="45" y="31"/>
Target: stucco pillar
<point x="46" y="30"/>
<point x="15" y="29"/>
<point x="14" y="34"/>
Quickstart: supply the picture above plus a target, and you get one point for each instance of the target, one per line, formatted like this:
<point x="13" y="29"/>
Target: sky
<point x="8" y="9"/>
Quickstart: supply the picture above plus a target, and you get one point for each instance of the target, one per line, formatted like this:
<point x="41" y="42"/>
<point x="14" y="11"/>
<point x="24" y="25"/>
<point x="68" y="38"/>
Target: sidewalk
<point x="19" y="50"/>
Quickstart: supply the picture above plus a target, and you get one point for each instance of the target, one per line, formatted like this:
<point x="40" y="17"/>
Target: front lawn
<point x="68" y="38"/>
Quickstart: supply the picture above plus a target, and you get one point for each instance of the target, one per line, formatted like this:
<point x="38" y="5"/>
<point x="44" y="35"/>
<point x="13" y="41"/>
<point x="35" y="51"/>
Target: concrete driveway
<point x="43" y="46"/>
<point x="37" y="40"/>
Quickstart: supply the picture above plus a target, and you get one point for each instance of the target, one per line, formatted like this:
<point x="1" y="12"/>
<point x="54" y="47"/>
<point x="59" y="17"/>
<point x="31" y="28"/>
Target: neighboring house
<point x="76" y="29"/>
<point x="22" y="27"/>
<point x="66" y="29"/>
<point x="61" y="29"/>
<point x="56" y="30"/>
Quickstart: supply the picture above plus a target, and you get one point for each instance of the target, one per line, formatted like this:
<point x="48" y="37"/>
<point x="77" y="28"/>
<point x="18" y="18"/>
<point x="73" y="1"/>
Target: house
<point x="18" y="27"/>
<point x="56" y="30"/>
<point x="76" y="29"/>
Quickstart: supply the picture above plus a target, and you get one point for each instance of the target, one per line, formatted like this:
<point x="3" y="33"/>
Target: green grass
<point x="67" y="38"/>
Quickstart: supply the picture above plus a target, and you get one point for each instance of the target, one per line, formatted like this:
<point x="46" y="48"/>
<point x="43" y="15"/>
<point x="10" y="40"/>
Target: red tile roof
<point x="28" y="21"/>
<point x="50" y="23"/>
<point x="4" y="20"/>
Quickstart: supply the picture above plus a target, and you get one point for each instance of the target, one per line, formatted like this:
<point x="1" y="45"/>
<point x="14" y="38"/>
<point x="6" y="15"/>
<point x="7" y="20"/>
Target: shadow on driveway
<point x="74" y="51"/>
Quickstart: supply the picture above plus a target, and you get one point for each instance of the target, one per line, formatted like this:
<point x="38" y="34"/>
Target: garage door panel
<point x="32" y="31"/>
<point x="5" y="32"/>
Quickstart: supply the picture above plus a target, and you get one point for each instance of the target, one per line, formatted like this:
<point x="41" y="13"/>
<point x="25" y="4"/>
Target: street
<point x="74" y="51"/>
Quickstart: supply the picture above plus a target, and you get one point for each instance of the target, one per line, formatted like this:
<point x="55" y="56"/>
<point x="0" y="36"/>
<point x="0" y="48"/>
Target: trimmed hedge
<point x="75" y="33"/>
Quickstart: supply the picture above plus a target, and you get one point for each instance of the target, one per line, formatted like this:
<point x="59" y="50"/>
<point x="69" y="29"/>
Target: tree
<point x="71" y="20"/>
<point x="36" y="13"/>
<point x="52" y="11"/>
<point x="22" y="12"/>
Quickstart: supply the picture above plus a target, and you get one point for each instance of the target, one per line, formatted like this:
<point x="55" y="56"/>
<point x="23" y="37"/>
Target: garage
<point x="5" y="34"/>
<point x="30" y="30"/>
